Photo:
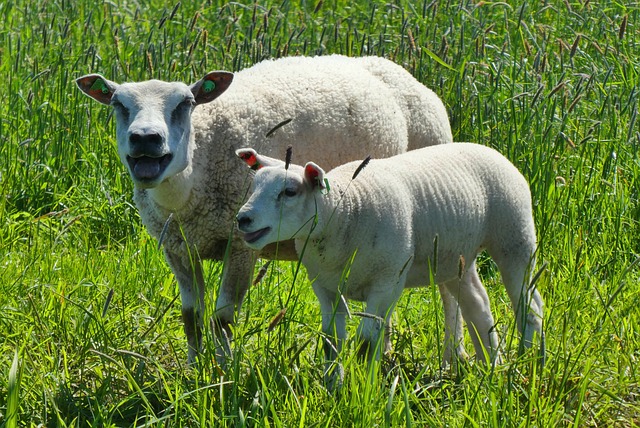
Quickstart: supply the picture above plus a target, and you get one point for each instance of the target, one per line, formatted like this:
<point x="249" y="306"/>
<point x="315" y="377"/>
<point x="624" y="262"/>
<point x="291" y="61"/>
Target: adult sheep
<point x="381" y="227"/>
<point x="178" y="147"/>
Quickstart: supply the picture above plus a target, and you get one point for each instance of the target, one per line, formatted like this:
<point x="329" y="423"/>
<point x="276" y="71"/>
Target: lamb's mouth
<point x="147" y="168"/>
<point x="251" y="237"/>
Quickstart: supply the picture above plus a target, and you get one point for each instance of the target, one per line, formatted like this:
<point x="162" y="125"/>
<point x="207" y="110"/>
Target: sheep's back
<point x="426" y="115"/>
<point x="338" y="112"/>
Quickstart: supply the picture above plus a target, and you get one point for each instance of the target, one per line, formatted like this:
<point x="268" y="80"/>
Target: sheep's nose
<point x="243" y="221"/>
<point x="145" y="143"/>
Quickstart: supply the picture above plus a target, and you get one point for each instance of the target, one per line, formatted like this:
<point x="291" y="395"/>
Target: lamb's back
<point x="465" y="194"/>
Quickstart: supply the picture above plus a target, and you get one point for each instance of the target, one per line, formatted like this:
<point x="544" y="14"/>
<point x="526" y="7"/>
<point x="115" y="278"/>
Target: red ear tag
<point x="312" y="173"/>
<point x="250" y="159"/>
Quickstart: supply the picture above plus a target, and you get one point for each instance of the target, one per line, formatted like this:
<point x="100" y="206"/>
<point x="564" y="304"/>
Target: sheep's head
<point x="282" y="205"/>
<point x="153" y="121"/>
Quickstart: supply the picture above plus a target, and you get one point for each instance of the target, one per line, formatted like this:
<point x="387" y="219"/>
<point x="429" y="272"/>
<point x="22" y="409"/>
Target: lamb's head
<point x="283" y="203"/>
<point x="153" y="121"/>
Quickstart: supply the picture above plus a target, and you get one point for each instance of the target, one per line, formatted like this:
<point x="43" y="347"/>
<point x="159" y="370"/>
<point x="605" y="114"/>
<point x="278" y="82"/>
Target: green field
<point x="90" y="328"/>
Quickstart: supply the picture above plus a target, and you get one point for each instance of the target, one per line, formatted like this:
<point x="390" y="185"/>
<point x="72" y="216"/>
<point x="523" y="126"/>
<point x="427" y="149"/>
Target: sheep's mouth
<point x="252" y="237"/>
<point x="147" y="168"/>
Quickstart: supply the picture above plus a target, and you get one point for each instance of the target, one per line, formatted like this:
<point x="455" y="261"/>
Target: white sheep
<point x="370" y="237"/>
<point x="179" y="150"/>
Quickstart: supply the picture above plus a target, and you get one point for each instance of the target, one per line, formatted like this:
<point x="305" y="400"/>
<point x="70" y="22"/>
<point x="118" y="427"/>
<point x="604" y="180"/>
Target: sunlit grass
<point x="89" y="311"/>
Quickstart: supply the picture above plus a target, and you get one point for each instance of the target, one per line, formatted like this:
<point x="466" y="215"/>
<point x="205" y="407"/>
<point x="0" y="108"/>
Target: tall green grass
<point x="89" y="323"/>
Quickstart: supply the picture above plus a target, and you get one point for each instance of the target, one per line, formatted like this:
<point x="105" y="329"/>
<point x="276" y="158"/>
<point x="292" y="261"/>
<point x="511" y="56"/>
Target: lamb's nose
<point x="243" y="221"/>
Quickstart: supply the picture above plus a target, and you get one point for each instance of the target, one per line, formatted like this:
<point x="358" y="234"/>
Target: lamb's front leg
<point x="188" y="273"/>
<point x="375" y="326"/>
<point x="334" y="312"/>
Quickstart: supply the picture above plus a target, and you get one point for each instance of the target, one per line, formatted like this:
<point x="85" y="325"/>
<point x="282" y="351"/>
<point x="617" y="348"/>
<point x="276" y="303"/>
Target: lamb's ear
<point x="97" y="87"/>
<point x="256" y="161"/>
<point x="211" y="86"/>
<point x="314" y="175"/>
<point x="250" y="157"/>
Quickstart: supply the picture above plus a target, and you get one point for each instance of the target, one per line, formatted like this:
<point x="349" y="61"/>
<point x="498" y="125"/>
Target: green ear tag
<point x="326" y="185"/>
<point x="99" y="85"/>
<point x="208" y="86"/>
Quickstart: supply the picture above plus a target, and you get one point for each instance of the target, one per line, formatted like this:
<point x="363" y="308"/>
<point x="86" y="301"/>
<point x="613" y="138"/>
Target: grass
<point x="90" y="326"/>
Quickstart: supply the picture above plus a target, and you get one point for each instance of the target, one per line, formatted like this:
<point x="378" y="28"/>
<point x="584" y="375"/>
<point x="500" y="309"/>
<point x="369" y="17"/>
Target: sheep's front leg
<point x="236" y="278"/>
<point x="334" y="312"/>
<point x="188" y="273"/>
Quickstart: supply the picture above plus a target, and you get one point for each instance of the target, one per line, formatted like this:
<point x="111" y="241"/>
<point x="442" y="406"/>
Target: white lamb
<point x="370" y="237"/>
<point x="179" y="150"/>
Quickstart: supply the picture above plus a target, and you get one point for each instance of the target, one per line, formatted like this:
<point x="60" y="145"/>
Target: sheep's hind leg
<point x="476" y="310"/>
<point x="334" y="312"/>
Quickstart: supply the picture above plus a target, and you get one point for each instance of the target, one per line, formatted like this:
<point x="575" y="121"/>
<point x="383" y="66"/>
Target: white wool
<point x="381" y="227"/>
<point x="340" y="109"/>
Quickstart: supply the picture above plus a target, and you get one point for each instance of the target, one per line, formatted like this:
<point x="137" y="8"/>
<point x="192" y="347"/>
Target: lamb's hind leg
<point x="453" y="330"/>
<point x="476" y="310"/>
<point x="515" y="267"/>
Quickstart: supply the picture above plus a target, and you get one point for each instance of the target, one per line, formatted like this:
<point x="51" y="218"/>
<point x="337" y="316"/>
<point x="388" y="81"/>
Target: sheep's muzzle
<point x="147" y="168"/>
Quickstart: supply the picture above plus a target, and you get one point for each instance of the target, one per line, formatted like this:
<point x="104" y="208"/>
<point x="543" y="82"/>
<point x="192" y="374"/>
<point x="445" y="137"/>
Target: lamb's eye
<point x="288" y="193"/>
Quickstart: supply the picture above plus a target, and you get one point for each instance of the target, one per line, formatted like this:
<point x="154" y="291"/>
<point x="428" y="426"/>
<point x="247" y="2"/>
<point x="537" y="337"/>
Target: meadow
<point x="90" y="328"/>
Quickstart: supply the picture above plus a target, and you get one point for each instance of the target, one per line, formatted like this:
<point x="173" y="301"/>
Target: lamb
<point x="178" y="147"/>
<point x="381" y="226"/>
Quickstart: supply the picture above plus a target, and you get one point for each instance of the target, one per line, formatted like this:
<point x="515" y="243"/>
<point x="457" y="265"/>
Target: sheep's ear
<point x="314" y="175"/>
<point x="97" y="87"/>
<point x="211" y="86"/>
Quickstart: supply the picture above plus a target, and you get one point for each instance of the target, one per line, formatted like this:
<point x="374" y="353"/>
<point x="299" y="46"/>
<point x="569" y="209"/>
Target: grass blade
<point x="13" y="399"/>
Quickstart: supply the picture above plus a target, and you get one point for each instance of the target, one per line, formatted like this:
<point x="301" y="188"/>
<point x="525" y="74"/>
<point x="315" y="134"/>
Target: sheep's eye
<point x="120" y="108"/>
<point x="188" y="103"/>
<point x="184" y="106"/>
